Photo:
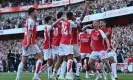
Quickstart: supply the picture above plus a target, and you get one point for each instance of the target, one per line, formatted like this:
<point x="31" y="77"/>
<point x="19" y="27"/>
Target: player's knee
<point x="106" y="61"/>
<point x="90" y="62"/>
<point x="40" y="56"/>
<point x="78" y="59"/>
<point x="70" y="56"/>
<point x="111" y="59"/>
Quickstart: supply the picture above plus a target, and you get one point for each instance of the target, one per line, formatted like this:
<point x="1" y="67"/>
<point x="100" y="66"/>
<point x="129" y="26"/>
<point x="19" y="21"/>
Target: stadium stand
<point x="94" y="8"/>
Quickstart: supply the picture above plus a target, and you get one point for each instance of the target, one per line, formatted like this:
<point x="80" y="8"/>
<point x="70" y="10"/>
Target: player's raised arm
<point x="85" y="10"/>
<point x="105" y="38"/>
<point x="57" y="21"/>
<point x="86" y="27"/>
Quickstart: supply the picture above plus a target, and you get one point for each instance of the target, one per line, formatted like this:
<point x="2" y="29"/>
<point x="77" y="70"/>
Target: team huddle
<point x="63" y="43"/>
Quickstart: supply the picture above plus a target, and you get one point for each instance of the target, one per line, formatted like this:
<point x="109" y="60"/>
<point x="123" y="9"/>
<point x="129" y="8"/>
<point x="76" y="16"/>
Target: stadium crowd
<point x="122" y="41"/>
<point x="98" y="6"/>
<point x="17" y="3"/>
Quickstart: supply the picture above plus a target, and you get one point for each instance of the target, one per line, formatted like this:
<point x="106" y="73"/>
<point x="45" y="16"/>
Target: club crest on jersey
<point x="94" y="37"/>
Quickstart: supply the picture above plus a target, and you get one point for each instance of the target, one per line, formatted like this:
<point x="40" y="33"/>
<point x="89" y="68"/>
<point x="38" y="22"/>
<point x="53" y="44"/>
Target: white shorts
<point x="85" y="55"/>
<point x="55" y="51"/>
<point x="111" y="54"/>
<point x="65" y="50"/>
<point x="32" y="49"/>
<point x="47" y="54"/>
<point x="99" y="55"/>
<point x="76" y="50"/>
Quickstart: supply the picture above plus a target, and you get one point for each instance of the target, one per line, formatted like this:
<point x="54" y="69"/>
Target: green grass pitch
<point x="28" y="76"/>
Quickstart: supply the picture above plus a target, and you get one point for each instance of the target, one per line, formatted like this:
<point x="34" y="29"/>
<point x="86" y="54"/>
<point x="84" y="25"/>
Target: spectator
<point x="120" y="58"/>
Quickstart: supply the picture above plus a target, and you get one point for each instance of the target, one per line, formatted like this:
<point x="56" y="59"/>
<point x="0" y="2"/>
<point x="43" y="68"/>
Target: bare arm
<point x="105" y="38"/>
<point x="29" y="35"/>
<point x="87" y="26"/>
<point x="85" y="10"/>
<point x="107" y="42"/>
<point x="56" y="22"/>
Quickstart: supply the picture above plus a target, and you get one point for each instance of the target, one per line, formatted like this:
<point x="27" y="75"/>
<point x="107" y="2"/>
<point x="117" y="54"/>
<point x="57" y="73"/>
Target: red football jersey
<point x="30" y="26"/>
<point x="47" y="37"/>
<point x="97" y="38"/>
<point x="74" y="39"/>
<point x="67" y="31"/>
<point x="85" y="40"/>
<point x="108" y="31"/>
<point x="57" y="35"/>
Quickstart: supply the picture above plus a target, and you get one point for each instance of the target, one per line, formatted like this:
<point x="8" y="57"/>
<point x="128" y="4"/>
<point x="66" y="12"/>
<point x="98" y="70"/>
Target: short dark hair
<point x="69" y="14"/>
<point x="47" y="19"/>
<point x="103" y="21"/>
<point x="60" y="14"/>
<point x="30" y="10"/>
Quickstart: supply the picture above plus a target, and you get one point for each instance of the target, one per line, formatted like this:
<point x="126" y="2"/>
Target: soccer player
<point x="56" y="37"/>
<point x="66" y="49"/>
<point x="74" y="42"/>
<point x="55" y="45"/>
<point x="99" y="51"/>
<point x="108" y="32"/>
<point x="29" y="45"/>
<point x="48" y="56"/>
<point x="85" y="48"/>
<point x="47" y="43"/>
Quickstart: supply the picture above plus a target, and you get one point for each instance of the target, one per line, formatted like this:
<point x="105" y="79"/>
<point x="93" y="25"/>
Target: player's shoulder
<point x="93" y="31"/>
<point x="108" y="28"/>
<point x="100" y="30"/>
<point x="30" y="20"/>
<point x="81" y="33"/>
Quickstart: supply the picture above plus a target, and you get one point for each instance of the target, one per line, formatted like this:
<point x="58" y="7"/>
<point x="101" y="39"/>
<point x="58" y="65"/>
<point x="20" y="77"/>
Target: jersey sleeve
<point x="30" y="24"/>
<point x="73" y="24"/>
<point x="79" y="36"/>
<point x="50" y="28"/>
<point x="89" y="31"/>
<point x="109" y="31"/>
<point x="78" y="21"/>
<point x="102" y="34"/>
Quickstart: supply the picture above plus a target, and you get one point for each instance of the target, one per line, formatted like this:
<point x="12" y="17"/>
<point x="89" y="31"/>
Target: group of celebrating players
<point x="63" y="43"/>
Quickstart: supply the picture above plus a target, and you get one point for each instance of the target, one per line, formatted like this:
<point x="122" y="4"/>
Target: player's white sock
<point x="111" y="75"/>
<point x="78" y="69"/>
<point x="58" y="72"/>
<point x="87" y="75"/>
<point x="103" y="68"/>
<point x="49" y="71"/>
<point x="63" y="68"/>
<point x="20" y="70"/>
<point x="113" y="66"/>
<point x="44" y="67"/>
<point x="38" y="67"/>
<point x="54" y="72"/>
<point x="69" y="68"/>
<point x="98" y="74"/>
